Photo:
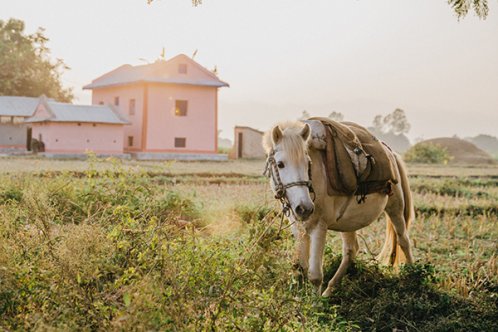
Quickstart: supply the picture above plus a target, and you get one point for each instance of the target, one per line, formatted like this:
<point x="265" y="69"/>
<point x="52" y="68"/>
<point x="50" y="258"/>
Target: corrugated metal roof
<point x="63" y="112"/>
<point x="157" y="72"/>
<point x="18" y="106"/>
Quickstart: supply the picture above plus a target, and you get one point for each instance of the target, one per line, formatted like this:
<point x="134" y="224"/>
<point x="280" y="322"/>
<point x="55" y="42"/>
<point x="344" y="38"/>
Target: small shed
<point x="75" y="129"/>
<point x="14" y="133"/>
<point x="248" y="143"/>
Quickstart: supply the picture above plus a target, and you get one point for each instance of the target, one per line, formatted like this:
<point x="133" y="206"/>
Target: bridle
<point x="271" y="171"/>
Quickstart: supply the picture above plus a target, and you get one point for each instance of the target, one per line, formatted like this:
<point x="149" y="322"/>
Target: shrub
<point x="250" y="213"/>
<point x="37" y="146"/>
<point x="10" y="194"/>
<point x="427" y="153"/>
<point x="141" y="272"/>
<point x="224" y="150"/>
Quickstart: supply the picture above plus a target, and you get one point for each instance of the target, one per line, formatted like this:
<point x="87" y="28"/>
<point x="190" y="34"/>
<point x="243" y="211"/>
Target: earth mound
<point x="462" y="152"/>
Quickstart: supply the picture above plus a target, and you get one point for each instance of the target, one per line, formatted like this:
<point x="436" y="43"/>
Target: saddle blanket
<point x="356" y="162"/>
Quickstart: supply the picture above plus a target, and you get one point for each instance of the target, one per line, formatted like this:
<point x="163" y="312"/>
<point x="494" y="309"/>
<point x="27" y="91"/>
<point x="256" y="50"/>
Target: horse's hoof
<point x="327" y="292"/>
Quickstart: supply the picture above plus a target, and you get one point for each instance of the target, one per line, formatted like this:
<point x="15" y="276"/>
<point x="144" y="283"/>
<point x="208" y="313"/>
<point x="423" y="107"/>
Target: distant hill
<point x="487" y="143"/>
<point x="462" y="151"/>
<point x="399" y="143"/>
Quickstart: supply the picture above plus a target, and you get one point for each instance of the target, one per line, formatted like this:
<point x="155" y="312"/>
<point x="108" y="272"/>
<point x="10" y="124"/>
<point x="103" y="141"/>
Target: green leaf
<point x="127" y="299"/>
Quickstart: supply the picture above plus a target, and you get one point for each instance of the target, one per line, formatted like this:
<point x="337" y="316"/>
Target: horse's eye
<point x="280" y="164"/>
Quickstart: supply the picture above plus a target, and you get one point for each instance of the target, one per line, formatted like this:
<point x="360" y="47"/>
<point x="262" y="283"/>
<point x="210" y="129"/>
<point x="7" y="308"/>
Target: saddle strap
<point x="370" y="187"/>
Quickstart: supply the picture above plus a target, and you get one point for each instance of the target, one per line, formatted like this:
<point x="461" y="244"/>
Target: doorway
<point x="29" y="134"/>
<point x="239" y="145"/>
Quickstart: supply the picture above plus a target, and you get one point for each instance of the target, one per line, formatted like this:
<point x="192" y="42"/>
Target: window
<point x="181" y="107"/>
<point x="132" y="107"/>
<point x="182" y="68"/>
<point x="116" y="101"/>
<point x="180" y="142"/>
<point x="130" y="140"/>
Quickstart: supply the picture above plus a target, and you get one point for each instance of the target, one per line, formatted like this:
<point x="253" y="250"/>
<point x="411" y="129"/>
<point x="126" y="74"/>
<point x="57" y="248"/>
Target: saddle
<point x="355" y="161"/>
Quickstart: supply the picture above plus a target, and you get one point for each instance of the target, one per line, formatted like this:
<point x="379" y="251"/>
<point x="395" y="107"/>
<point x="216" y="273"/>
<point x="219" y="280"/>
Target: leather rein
<point x="271" y="171"/>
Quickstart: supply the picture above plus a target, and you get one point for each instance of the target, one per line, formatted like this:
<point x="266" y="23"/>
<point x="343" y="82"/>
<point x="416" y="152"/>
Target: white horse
<point x="297" y="173"/>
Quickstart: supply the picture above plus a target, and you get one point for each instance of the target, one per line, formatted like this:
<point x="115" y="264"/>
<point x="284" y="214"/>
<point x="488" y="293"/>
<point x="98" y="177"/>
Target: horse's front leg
<point x="349" y="249"/>
<point x="302" y="249"/>
<point x="318" y="236"/>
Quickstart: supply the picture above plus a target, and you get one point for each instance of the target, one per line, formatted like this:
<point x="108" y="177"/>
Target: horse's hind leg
<point x="400" y="227"/>
<point x="349" y="249"/>
<point x="398" y="216"/>
<point x="400" y="211"/>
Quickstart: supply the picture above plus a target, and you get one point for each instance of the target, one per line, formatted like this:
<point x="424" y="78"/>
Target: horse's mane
<point x="291" y="142"/>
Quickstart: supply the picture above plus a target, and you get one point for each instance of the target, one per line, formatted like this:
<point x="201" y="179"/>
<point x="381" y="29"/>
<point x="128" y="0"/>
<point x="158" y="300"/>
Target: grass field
<point x="125" y="245"/>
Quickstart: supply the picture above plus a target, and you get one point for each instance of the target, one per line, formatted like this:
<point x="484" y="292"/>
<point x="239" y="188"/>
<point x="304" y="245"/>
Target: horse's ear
<point x="305" y="132"/>
<point x="276" y="134"/>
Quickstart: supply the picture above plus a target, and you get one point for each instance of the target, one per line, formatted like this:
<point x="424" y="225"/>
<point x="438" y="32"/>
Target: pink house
<point x="172" y="106"/>
<point x="74" y="129"/>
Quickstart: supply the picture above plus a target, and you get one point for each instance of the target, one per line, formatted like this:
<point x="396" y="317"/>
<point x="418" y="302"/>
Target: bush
<point x="102" y="253"/>
<point x="224" y="150"/>
<point x="250" y="213"/>
<point x="10" y="194"/>
<point x="37" y="146"/>
<point x="427" y="153"/>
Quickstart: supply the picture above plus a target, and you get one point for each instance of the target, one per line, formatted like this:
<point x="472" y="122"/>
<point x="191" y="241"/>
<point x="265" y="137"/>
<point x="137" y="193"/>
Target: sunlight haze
<point x="360" y="58"/>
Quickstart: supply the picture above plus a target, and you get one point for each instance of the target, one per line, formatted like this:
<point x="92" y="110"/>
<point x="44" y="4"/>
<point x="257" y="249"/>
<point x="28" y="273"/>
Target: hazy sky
<point x="359" y="57"/>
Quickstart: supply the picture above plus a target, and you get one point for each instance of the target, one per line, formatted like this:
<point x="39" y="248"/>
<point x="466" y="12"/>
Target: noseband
<point x="271" y="171"/>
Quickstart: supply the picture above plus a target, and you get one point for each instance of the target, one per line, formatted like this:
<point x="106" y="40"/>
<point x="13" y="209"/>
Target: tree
<point x="460" y="7"/>
<point x="378" y="124"/>
<point x="396" y="122"/>
<point x="195" y="3"/>
<point x="391" y="129"/>
<point x="25" y="65"/>
<point x="336" y="116"/>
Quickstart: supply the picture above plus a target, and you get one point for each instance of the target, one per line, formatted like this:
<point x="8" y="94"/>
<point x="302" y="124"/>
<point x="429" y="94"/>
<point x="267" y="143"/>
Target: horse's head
<point x="289" y="167"/>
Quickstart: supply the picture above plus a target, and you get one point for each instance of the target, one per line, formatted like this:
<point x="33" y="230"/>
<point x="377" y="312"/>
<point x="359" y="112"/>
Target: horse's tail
<point x="391" y="252"/>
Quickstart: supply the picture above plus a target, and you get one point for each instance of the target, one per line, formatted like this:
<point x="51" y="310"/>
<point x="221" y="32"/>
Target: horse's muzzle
<point x="304" y="212"/>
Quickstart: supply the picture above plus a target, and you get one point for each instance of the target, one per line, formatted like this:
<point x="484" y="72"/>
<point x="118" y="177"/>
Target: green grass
<point x="114" y="252"/>
<point x="120" y="248"/>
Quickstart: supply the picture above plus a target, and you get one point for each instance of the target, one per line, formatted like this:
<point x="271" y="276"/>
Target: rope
<point x="366" y="245"/>
<point x="271" y="171"/>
